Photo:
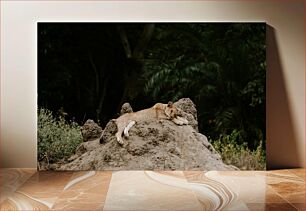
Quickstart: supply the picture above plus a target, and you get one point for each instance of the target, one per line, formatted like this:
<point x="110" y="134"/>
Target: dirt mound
<point x="158" y="145"/>
<point x="91" y="131"/>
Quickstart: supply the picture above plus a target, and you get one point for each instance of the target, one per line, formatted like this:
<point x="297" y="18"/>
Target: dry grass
<point x="240" y="155"/>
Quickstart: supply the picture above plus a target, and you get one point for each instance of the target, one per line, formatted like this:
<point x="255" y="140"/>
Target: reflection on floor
<point x="27" y="189"/>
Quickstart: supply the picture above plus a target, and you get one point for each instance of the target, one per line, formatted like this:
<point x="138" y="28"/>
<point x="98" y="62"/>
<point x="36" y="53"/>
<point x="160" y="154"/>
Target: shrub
<point x="57" y="139"/>
<point x="239" y="154"/>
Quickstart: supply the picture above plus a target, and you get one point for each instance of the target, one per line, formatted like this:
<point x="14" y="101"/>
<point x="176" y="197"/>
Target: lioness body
<point x="157" y="112"/>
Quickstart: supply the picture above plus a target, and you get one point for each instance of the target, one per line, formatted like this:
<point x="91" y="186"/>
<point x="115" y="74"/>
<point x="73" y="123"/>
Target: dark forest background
<point x="88" y="70"/>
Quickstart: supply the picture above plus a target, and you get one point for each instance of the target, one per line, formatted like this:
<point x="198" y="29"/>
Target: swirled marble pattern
<point x="60" y="191"/>
<point x="148" y="190"/>
<point x="27" y="189"/>
<point x="86" y="190"/>
<point x="11" y="179"/>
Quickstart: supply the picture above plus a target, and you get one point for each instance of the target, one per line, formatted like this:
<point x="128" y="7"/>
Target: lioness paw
<point x="120" y="141"/>
<point x="128" y="127"/>
<point x="185" y="121"/>
<point x="180" y="121"/>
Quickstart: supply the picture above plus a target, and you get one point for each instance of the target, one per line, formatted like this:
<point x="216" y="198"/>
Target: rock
<point x="87" y="146"/>
<point x="152" y="145"/>
<point x="75" y="156"/>
<point x="189" y="111"/>
<point x="126" y="108"/>
<point x="109" y="132"/>
<point x="91" y="131"/>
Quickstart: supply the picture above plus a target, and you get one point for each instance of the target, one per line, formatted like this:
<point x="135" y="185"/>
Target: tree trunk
<point x="125" y="41"/>
<point x="133" y="70"/>
<point x="144" y="41"/>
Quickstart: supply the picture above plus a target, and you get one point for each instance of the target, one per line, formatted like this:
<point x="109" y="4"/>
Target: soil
<point x="152" y="145"/>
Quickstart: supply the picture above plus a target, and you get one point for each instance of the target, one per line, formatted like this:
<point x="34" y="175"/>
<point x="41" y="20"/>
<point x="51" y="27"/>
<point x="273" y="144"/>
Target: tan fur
<point x="157" y="112"/>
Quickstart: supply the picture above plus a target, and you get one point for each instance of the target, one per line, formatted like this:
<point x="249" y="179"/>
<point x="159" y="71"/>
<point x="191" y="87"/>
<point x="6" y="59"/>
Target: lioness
<point x="157" y="112"/>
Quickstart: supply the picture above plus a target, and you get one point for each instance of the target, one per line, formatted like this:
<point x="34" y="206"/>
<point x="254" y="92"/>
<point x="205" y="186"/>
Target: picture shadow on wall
<point x="281" y="141"/>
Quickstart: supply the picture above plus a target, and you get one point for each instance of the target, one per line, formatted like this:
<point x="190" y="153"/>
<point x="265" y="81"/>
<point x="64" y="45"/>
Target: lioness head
<point x="171" y="111"/>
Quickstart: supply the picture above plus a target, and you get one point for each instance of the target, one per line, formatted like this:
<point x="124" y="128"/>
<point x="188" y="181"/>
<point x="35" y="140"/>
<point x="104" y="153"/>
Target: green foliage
<point x="221" y="67"/>
<point x="57" y="139"/>
<point x="239" y="154"/>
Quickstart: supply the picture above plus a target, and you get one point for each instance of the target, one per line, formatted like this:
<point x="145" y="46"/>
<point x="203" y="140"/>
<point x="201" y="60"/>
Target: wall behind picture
<point x="285" y="64"/>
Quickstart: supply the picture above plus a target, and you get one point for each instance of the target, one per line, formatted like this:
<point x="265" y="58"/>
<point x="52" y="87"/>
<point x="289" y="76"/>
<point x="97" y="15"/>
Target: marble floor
<point x="27" y="189"/>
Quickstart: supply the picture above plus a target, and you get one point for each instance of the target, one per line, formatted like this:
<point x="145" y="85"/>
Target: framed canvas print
<point x="151" y="96"/>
